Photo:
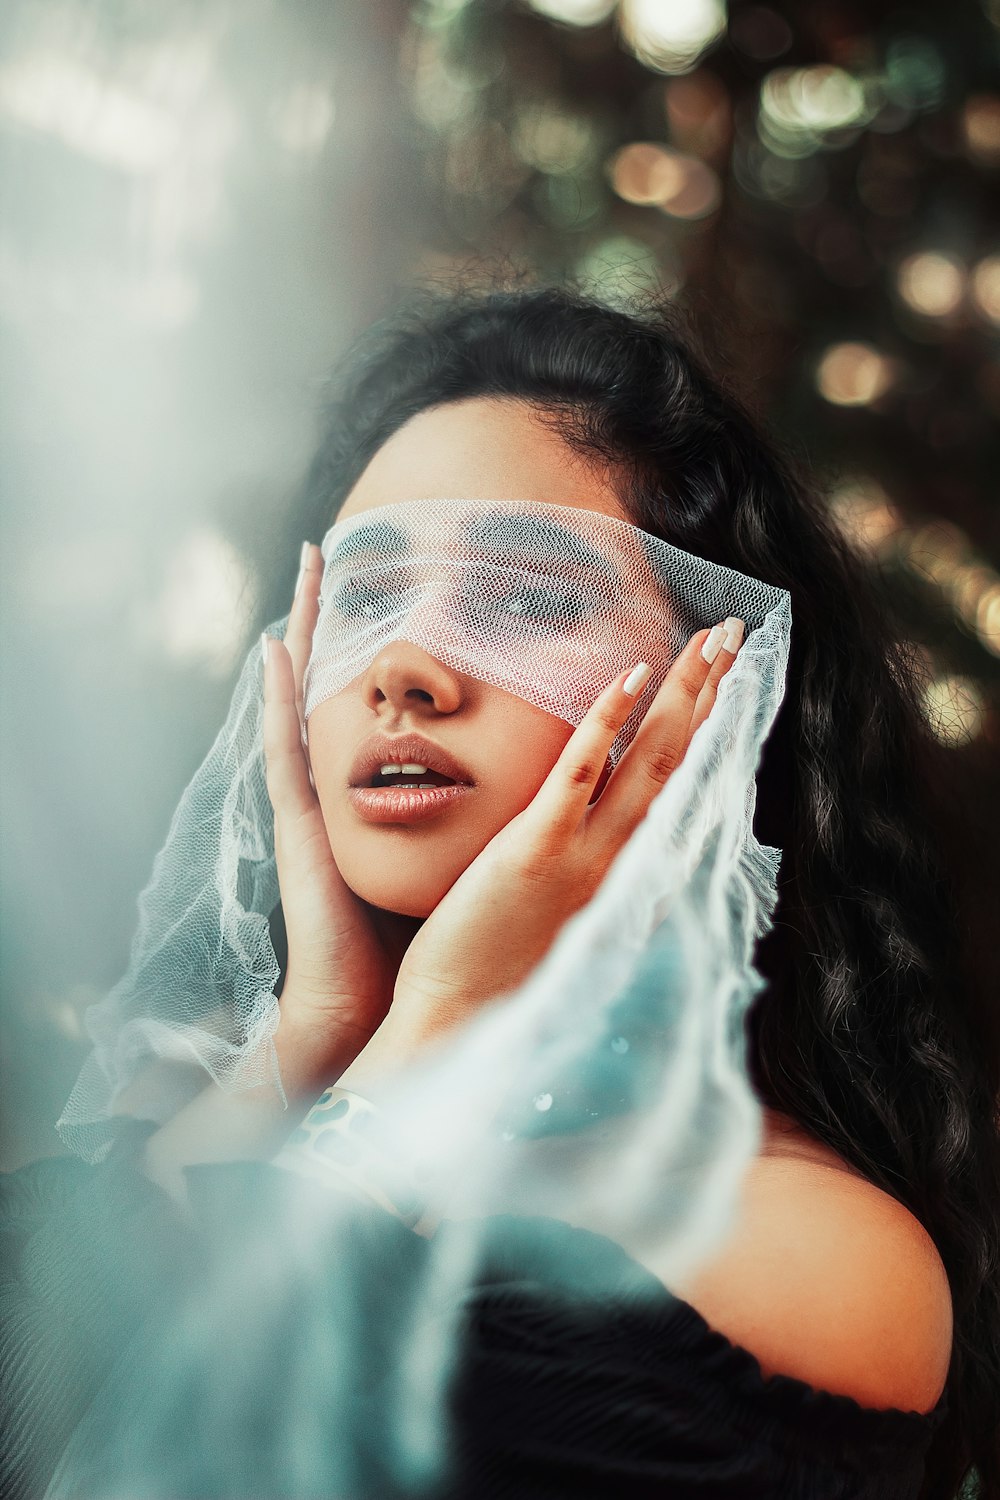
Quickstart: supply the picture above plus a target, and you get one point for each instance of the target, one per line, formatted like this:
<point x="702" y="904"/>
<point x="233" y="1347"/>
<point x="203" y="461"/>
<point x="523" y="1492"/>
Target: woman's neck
<point x="783" y="1136"/>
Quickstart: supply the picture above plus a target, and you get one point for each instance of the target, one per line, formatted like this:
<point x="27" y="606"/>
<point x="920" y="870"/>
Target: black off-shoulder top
<point x="557" y="1393"/>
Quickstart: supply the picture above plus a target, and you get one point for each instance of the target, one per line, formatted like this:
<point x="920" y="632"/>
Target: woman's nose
<point x="406" y="675"/>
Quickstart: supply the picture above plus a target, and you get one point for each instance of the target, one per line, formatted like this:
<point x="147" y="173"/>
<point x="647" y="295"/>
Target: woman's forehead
<point x="482" y="448"/>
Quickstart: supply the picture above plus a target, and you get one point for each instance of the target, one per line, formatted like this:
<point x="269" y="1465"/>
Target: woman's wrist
<point x="251" y="1124"/>
<point x="338" y="1145"/>
<point x="312" y="1049"/>
<point x="386" y="1053"/>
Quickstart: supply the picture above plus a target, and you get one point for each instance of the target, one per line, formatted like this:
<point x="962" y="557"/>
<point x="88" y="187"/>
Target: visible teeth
<point x="409" y="769"/>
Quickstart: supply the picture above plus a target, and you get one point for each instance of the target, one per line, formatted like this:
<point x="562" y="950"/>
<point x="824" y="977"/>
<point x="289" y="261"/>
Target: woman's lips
<point x="404" y="749"/>
<point x="397" y="804"/>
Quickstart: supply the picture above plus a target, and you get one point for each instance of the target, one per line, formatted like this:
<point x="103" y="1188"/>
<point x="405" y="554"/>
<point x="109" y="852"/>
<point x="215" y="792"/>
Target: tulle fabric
<point x="608" y="1092"/>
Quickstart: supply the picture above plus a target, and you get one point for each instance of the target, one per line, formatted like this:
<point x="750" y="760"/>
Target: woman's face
<point x="486" y="448"/>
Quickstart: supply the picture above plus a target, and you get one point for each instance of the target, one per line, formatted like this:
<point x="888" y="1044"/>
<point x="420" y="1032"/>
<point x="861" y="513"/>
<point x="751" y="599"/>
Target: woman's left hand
<point x="506" y="909"/>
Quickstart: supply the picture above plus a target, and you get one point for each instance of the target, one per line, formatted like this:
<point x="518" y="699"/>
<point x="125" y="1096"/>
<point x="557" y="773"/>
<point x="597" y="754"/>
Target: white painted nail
<point x="734" y="628"/>
<point x="636" y="679"/>
<point x="264" y="638"/>
<point x="713" y="645"/>
<point x="303" y="559"/>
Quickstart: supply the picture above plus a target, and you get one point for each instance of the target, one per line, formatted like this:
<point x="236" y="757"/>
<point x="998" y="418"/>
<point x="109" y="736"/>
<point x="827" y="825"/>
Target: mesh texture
<point x="548" y="602"/>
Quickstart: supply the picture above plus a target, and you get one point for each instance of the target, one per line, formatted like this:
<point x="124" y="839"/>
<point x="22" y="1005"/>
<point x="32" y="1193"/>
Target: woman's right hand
<point x="343" y="958"/>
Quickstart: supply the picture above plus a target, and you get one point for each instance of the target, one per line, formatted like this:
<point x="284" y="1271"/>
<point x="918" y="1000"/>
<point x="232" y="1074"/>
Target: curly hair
<point x="873" y="1029"/>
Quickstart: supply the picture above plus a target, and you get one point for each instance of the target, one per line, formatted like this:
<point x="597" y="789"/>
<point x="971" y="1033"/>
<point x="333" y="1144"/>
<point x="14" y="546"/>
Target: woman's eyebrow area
<point x="542" y="539"/>
<point x="370" y="536"/>
<point x="498" y="532"/>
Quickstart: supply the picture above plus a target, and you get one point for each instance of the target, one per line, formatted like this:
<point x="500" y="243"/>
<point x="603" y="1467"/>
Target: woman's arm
<point x="223" y="1126"/>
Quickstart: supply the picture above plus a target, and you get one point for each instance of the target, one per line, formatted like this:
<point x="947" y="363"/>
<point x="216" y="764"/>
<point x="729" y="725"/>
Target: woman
<point x="848" y="1326"/>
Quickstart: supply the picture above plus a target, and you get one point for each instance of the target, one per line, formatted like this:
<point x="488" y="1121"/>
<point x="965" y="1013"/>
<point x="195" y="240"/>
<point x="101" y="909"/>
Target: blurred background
<point x="204" y="202"/>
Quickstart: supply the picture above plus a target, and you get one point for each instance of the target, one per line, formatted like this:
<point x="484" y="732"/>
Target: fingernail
<point x="713" y="645"/>
<point x="303" y="559"/>
<point x="636" y="679"/>
<point x="734" y="628"/>
<point x="264" y="638"/>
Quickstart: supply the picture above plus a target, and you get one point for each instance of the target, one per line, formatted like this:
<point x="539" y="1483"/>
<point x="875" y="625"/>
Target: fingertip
<point x="310" y="581"/>
<point x="713" y="643"/>
<point x="303" y="564"/>
<point x="637" y="679"/>
<point x="735" y="629"/>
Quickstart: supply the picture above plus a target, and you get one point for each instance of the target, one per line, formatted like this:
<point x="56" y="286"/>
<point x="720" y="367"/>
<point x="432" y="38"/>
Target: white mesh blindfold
<point x="548" y="602"/>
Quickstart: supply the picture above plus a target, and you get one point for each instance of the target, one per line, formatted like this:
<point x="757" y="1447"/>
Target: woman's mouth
<point x="401" y="800"/>
<point x="405" y="778"/>
<point x="411" y="775"/>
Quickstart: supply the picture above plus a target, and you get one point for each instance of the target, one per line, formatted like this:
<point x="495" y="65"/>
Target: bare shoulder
<point x="828" y="1279"/>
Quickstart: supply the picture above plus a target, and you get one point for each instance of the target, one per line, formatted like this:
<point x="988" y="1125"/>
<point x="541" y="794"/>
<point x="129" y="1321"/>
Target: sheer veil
<point x="610" y="1090"/>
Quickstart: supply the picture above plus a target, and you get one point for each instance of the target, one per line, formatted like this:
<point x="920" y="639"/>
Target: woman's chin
<point x="404" y="899"/>
<point x="400" y="907"/>
<point x="394" y="876"/>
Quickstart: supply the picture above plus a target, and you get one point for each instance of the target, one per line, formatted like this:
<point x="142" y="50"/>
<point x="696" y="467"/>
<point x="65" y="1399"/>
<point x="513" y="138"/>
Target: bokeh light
<point x="575" y="12"/>
<point x="621" y="266"/>
<point x="954" y="707"/>
<point x="201" y="613"/>
<point x="801" y="109"/>
<point x="864" y="513"/>
<point x="670" y="36"/>
<point x="932" y="283"/>
<point x="937" y="552"/>
<point x="551" y="139"/>
<point x="985" y="282"/>
<point x="914" y="75"/>
<point x="981" y="128"/>
<point x="940" y="553"/>
<point x="854" y="374"/>
<point x="988" y="618"/>
<point x="70" y="100"/>
<point x="569" y="202"/>
<point x="678" y="185"/>
<point x="443" y="98"/>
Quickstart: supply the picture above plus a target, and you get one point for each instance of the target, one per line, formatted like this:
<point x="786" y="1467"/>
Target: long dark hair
<point x="872" y="1031"/>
